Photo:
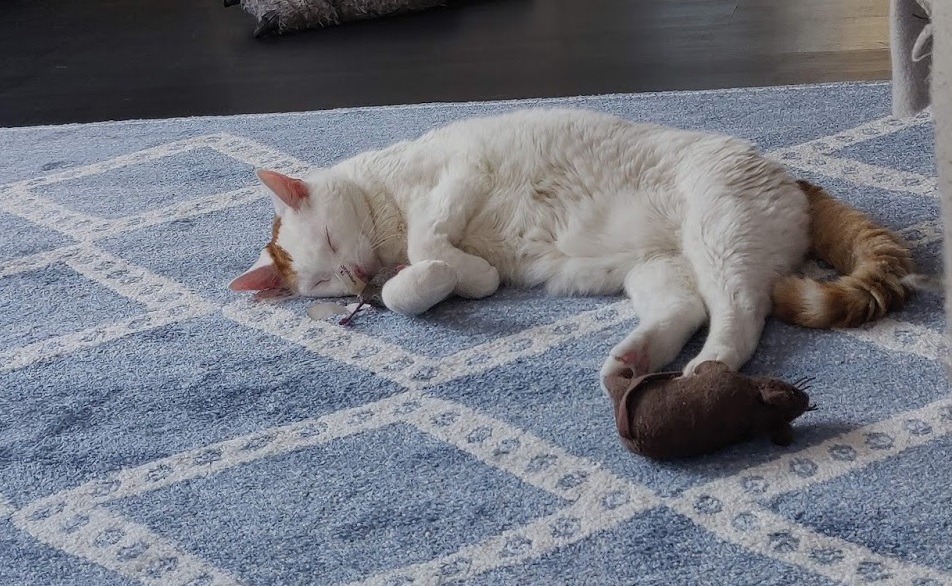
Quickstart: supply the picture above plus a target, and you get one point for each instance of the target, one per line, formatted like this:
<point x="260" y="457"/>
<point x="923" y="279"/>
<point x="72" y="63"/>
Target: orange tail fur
<point x="873" y="263"/>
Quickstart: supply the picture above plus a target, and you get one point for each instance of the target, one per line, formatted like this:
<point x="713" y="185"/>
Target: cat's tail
<point x="876" y="270"/>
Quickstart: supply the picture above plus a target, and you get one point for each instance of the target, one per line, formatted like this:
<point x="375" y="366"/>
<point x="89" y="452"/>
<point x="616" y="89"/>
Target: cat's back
<point x="535" y="129"/>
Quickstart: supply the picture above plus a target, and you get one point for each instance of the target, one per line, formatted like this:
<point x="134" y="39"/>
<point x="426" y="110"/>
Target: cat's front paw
<point x="419" y="287"/>
<point x="478" y="279"/>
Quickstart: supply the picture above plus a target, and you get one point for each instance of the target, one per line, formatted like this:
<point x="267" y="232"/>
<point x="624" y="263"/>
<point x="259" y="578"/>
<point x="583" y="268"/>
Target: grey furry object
<point x="910" y="33"/>
<point x="942" y="112"/>
<point x="282" y="16"/>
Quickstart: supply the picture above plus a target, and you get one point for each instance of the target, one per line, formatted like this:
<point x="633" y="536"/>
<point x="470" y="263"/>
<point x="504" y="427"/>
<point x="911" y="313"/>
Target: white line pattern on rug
<point x="843" y="454"/>
<point x="773" y="536"/>
<point x="91" y="337"/>
<point x="531" y="459"/>
<point x="135" y="282"/>
<point x="114" y="542"/>
<point x="513" y="547"/>
<point x="820" y="156"/>
<point x="391" y="362"/>
<point x="50" y="215"/>
<point x="748" y="522"/>
<point x="863" y="174"/>
<point x="600" y="500"/>
<point x="165" y="300"/>
<point x="256" y="154"/>
<point x="16" y="198"/>
<point x="198" y="206"/>
<point x="38" y="261"/>
<point x="867" y="131"/>
<point x="901" y="336"/>
<point x="135" y="158"/>
<point x="923" y="233"/>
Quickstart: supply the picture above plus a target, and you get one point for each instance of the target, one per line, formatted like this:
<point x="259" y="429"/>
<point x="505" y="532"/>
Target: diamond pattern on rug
<point x="904" y="517"/>
<point x="672" y="546"/>
<point x="163" y="430"/>
<point x="151" y="184"/>
<point x="27" y="321"/>
<point x="194" y="252"/>
<point x="378" y="500"/>
<point x="892" y="150"/>
<point x="20" y="238"/>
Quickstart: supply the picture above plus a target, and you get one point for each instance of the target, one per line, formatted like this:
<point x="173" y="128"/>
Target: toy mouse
<point x="665" y="416"/>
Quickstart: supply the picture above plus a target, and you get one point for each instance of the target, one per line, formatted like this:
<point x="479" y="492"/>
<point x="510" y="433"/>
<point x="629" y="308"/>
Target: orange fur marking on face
<point x="871" y="259"/>
<point x="280" y="256"/>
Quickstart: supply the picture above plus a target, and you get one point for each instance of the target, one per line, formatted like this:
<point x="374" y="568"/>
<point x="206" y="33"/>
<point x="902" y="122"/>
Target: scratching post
<point x="942" y="108"/>
<point x="910" y="63"/>
<point x="921" y="38"/>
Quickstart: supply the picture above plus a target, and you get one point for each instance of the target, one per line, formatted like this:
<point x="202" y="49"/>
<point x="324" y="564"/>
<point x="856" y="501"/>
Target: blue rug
<point x="156" y="428"/>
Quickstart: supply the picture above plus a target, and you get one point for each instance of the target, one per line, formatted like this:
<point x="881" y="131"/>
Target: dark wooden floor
<point x="73" y="61"/>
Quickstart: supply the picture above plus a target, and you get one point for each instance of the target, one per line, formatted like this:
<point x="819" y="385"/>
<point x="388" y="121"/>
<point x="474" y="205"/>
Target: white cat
<point x="694" y="227"/>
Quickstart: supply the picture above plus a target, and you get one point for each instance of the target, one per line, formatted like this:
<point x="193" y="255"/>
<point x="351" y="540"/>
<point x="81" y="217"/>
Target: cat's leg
<point x="432" y="233"/>
<point x="476" y="278"/>
<point x="419" y="287"/>
<point x="734" y="282"/>
<point x="669" y="310"/>
<point x="734" y="330"/>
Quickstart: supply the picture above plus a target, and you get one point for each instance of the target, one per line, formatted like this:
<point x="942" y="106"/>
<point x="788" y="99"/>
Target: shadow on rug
<point x="159" y="429"/>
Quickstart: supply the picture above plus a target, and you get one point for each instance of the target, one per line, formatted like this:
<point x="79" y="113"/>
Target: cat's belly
<point x="569" y="247"/>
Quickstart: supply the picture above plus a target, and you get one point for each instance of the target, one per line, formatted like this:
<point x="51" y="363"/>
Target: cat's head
<point x="320" y="224"/>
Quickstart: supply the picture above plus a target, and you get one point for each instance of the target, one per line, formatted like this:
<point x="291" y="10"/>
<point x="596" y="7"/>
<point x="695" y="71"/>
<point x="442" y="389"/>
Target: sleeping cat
<point x="695" y="227"/>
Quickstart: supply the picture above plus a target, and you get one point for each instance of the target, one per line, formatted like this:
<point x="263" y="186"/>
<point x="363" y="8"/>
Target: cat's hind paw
<point x="477" y="279"/>
<point x="625" y="362"/>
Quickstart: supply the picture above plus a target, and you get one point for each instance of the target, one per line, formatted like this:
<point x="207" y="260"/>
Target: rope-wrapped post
<point x="910" y="77"/>
<point x="942" y="110"/>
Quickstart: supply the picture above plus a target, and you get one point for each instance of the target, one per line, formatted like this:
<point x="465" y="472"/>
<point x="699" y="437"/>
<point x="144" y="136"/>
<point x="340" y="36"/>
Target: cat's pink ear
<point x="288" y="191"/>
<point x="262" y="275"/>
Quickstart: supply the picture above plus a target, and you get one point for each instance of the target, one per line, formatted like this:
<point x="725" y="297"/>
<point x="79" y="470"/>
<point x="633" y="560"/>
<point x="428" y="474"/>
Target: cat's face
<point x="320" y="225"/>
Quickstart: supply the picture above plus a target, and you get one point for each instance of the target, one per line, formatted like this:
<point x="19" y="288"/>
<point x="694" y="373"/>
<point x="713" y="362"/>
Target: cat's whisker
<point x="385" y="239"/>
<point x="363" y="224"/>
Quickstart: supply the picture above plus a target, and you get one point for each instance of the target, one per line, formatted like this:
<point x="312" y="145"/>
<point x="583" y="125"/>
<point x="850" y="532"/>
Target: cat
<point x="695" y="227"/>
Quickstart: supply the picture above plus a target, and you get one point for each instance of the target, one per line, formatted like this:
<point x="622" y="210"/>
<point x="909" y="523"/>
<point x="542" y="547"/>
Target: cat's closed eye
<point x="319" y="283"/>
<point x="330" y="243"/>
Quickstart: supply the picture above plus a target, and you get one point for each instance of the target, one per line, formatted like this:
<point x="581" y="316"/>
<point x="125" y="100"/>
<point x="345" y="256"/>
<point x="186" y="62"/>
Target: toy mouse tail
<point x="875" y="267"/>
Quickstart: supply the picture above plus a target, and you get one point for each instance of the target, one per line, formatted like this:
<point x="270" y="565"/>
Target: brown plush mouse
<point x="665" y="416"/>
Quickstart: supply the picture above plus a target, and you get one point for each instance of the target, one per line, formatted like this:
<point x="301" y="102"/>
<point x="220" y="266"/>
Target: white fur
<point x="419" y="287"/>
<point x="695" y="227"/>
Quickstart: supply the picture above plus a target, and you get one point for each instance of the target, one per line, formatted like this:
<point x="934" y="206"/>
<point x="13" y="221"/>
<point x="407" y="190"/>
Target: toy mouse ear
<point x="775" y="396"/>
